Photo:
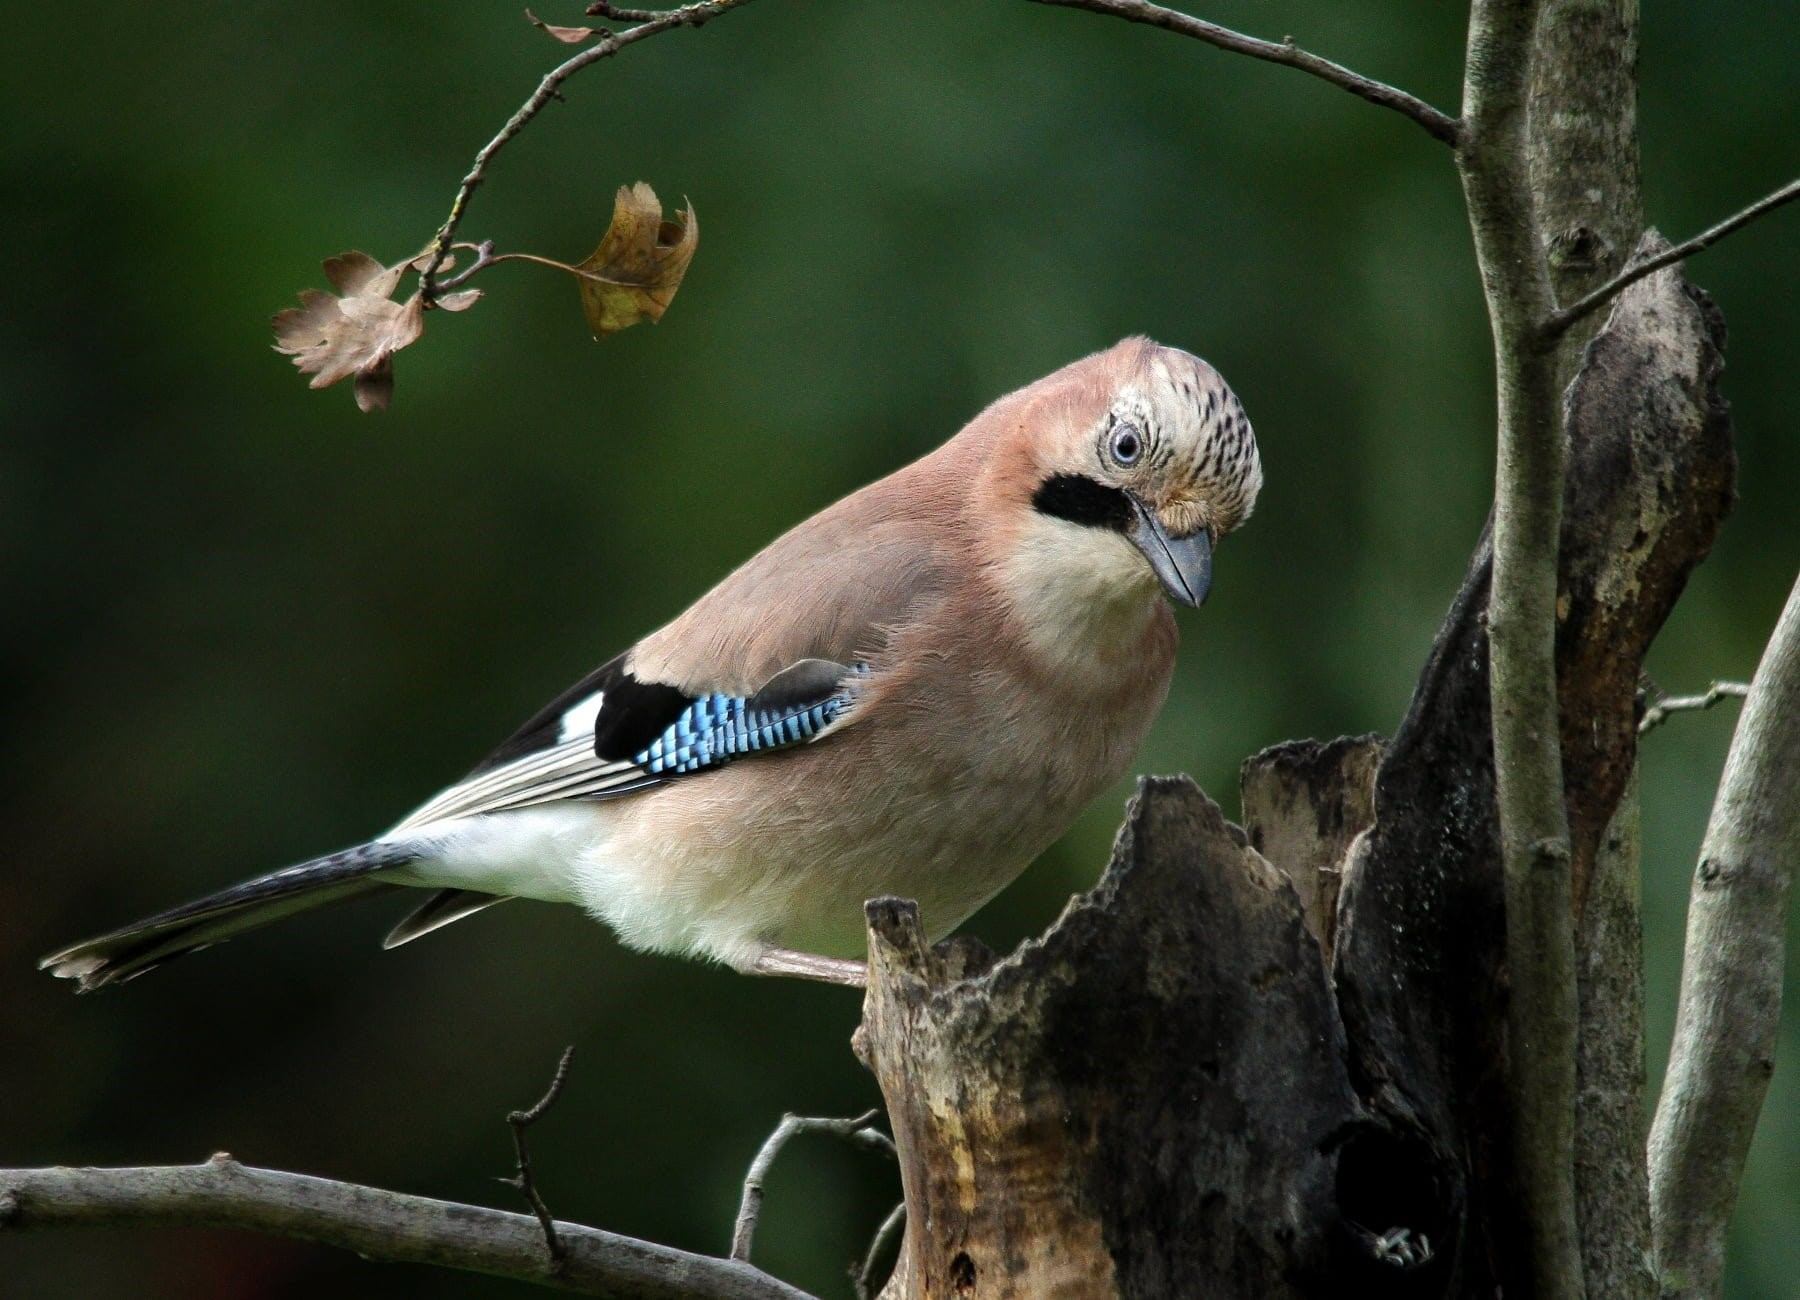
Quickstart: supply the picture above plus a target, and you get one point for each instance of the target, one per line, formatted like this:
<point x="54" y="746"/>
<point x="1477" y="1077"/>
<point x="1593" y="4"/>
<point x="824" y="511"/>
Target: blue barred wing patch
<point x="717" y="728"/>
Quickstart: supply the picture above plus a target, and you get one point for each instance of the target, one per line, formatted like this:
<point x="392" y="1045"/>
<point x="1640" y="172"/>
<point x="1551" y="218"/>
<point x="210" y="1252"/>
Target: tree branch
<point x="376" y="1224"/>
<point x="1528" y="491"/>
<point x="862" y="1276"/>
<point x="1563" y="318"/>
<point x="1658" y="713"/>
<point x="1437" y="124"/>
<point x="688" y="15"/>
<point x="1731" y="979"/>
<point x="860" y="1130"/>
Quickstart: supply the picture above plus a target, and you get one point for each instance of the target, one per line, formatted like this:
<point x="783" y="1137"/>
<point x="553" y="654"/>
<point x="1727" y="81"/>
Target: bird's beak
<point x="1182" y="564"/>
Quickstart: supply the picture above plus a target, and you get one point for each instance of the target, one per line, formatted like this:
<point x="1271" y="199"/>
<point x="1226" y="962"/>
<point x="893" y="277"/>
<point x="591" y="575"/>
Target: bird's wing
<point x="612" y="734"/>
<point x="766" y="659"/>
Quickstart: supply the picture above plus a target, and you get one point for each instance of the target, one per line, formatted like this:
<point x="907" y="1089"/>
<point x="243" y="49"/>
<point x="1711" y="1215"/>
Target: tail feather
<point x="126" y="953"/>
<point x="443" y="908"/>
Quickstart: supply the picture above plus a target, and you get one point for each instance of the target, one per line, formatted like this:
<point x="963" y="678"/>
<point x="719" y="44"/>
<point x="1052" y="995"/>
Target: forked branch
<point x="1588" y="303"/>
<point x="860" y="1130"/>
<point x="650" y="23"/>
<point x="525" y="1180"/>
<point x="1439" y="125"/>
<point x="1567" y="316"/>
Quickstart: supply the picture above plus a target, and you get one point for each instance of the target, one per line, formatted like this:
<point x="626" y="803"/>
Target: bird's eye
<point x="1127" y="444"/>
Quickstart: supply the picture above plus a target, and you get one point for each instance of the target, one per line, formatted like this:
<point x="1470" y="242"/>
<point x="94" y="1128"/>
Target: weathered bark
<point x="1166" y="1097"/>
<point x="1304" y="805"/>
<point x="1420" y="970"/>
<point x="1152" y="1099"/>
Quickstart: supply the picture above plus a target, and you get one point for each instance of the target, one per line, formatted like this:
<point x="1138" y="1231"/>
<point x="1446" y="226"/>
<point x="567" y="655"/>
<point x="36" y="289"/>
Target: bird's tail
<point x="129" y="952"/>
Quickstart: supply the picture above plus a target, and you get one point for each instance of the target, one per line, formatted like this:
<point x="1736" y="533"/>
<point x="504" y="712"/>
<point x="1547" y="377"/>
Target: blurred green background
<point x="246" y="624"/>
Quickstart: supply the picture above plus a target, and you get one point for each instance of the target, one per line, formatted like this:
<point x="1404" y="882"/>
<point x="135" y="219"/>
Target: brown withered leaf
<point x="356" y="332"/>
<point x="634" y="273"/>
<point x="567" y="35"/>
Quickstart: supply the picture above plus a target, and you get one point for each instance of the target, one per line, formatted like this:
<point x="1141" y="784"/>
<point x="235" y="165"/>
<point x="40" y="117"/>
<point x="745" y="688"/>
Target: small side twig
<point x="1438" y="124"/>
<point x="519" y="1121"/>
<point x="1561" y="319"/>
<point x="860" y="1130"/>
<point x="619" y="13"/>
<point x="862" y="1277"/>
<point x="1658" y="713"/>
<point x="484" y="258"/>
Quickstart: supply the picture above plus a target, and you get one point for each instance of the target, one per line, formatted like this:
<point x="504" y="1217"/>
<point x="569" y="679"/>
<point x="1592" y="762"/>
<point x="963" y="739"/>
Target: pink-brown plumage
<point x="998" y="646"/>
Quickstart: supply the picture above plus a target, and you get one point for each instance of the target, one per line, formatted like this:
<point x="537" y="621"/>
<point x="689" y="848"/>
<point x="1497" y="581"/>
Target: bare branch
<point x="376" y="1224"/>
<point x="860" y="1130"/>
<point x="1536" y="849"/>
<point x="1731" y="978"/>
<point x="1658" y="713"/>
<point x="519" y="1121"/>
<point x="652" y="24"/>
<point x="862" y="1277"/>
<point x="1567" y="316"/>
<point x="1439" y="125"/>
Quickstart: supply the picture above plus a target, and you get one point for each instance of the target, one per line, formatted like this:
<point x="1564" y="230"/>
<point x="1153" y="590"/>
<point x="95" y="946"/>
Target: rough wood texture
<point x="1304" y="805"/>
<point x="1419" y="959"/>
<point x="1654" y="469"/>
<point x="1150" y="1100"/>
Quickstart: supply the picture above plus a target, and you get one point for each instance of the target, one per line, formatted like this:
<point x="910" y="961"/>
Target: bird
<point x="912" y="693"/>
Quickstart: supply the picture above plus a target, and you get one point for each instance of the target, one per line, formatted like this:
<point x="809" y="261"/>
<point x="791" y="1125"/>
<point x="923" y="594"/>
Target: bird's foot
<point x="804" y="965"/>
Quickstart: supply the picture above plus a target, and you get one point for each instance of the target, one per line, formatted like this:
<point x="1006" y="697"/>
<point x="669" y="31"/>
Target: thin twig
<point x="1658" y="713"/>
<point x="1732" y="973"/>
<point x="519" y="1121"/>
<point x="484" y="258"/>
<point x="1564" y="317"/>
<point x="618" y="13"/>
<point x="688" y="15"/>
<point x="376" y="1224"/>
<point x="859" y="1130"/>
<point x="862" y="1277"/>
<point x="1439" y="125"/>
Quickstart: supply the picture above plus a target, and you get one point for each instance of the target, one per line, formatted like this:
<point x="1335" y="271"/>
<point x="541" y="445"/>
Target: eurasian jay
<point x="914" y="693"/>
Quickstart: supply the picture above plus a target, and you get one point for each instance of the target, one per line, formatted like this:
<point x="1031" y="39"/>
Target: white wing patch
<point x="578" y="720"/>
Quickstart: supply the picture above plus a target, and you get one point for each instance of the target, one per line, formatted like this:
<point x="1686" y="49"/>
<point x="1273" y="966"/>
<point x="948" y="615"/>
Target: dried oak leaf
<point x="567" y="35"/>
<point x="635" y="272"/>
<point x="356" y="332"/>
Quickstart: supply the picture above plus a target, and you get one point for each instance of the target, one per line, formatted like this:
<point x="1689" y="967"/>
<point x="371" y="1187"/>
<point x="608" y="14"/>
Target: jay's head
<point x="1132" y="463"/>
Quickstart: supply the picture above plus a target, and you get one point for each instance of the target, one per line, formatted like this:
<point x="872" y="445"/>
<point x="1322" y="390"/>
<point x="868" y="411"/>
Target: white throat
<point x="1083" y="595"/>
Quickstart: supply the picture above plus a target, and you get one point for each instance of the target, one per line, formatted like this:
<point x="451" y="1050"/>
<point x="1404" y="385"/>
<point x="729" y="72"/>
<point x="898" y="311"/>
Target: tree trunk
<point x="1217" y="1076"/>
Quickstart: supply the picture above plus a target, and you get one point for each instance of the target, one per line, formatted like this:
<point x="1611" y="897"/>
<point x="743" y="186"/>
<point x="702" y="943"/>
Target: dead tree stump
<point x="1223" y="1074"/>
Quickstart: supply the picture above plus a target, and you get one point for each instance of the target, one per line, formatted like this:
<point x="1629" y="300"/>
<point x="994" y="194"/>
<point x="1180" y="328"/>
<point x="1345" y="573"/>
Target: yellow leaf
<point x="634" y="273"/>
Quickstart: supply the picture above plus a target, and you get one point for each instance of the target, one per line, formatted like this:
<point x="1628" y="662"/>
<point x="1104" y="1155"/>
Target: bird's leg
<point x="804" y="965"/>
